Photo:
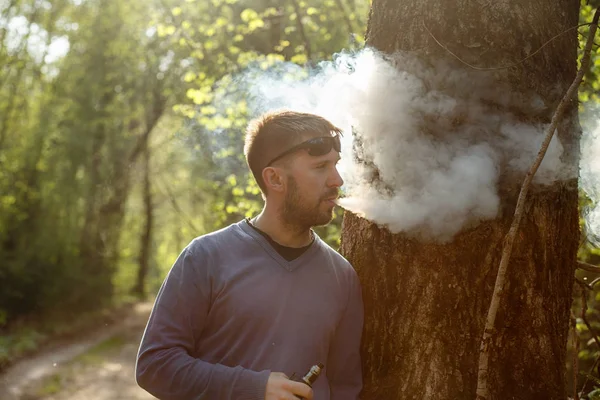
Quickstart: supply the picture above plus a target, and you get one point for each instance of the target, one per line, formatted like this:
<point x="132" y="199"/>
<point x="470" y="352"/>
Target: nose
<point x="336" y="179"/>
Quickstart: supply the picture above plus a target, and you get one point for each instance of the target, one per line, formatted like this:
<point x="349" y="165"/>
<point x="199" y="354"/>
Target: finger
<point x="301" y="390"/>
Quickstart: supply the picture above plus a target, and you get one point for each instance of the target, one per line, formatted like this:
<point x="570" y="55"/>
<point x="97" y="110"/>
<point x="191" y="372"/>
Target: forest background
<point x="121" y="125"/>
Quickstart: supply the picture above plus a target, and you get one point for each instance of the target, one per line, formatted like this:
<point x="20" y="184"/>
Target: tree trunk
<point x="426" y="302"/>
<point x="146" y="239"/>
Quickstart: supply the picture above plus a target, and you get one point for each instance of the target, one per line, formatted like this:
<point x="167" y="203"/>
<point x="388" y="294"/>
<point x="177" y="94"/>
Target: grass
<point x="51" y="385"/>
<point x="97" y="353"/>
<point x="30" y="335"/>
<point x="19" y="343"/>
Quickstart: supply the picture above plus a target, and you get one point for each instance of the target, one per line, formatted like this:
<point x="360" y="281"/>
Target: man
<point x="245" y="307"/>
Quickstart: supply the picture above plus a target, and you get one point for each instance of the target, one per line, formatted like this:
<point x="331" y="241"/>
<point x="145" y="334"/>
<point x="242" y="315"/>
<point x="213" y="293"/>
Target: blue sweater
<point x="232" y="310"/>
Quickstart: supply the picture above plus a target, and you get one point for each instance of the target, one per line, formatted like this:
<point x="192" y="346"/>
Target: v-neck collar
<point x="264" y="243"/>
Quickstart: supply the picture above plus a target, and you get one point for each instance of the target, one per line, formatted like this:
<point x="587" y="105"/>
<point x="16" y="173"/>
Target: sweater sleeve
<point x="344" y="370"/>
<point x="165" y="366"/>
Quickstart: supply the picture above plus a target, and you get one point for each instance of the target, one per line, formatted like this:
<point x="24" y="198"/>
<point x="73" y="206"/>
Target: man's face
<point x="313" y="184"/>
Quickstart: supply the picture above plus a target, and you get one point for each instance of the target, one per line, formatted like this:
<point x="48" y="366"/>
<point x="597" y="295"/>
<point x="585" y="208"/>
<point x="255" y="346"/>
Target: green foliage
<point x="68" y="128"/>
<point x="161" y="75"/>
<point x="594" y="395"/>
<point x="18" y="345"/>
<point x="97" y="353"/>
<point x="588" y="251"/>
<point x="590" y="87"/>
<point x="85" y="88"/>
<point x="51" y="385"/>
<point x="239" y="35"/>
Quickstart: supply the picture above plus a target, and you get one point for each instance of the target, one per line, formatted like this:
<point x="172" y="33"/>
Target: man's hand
<point x="279" y="387"/>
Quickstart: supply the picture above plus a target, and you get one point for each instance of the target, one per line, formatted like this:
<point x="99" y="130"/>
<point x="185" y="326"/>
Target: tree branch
<point x="347" y="20"/>
<point x="173" y="200"/>
<point x="595" y="44"/>
<point x="575" y="361"/>
<point x="307" y="48"/>
<point x="588" y="267"/>
<point x="587" y="378"/>
<point x="592" y="283"/>
<point x="583" y="284"/>
<point x="584" y="318"/>
<point x="569" y="97"/>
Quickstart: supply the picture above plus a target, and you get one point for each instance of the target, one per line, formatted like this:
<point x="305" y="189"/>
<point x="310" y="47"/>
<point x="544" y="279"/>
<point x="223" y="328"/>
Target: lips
<point x="331" y="199"/>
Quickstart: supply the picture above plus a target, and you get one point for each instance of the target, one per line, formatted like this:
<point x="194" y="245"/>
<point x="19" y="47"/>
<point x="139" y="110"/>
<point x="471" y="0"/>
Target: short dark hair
<point x="276" y="131"/>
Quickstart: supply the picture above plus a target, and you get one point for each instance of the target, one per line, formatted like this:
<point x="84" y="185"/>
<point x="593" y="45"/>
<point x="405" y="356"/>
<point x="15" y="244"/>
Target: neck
<point x="283" y="233"/>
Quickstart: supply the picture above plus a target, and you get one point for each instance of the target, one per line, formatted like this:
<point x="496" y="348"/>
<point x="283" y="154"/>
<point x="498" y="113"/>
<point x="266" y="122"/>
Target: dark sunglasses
<point x="316" y="147"/>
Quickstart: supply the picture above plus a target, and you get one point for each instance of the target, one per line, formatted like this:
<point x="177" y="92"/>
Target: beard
<point x="300" y="213"/>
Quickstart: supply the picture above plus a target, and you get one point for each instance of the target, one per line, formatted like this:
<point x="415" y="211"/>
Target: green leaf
<point x="199" y="96"/>
<point x="594" y="395"/>
<point x="231" y="180"/>
<point x="248" y="15"/>
<point x="189" y="76"/>
<point x="299" y="59"/>
<point x="256" y="24"/>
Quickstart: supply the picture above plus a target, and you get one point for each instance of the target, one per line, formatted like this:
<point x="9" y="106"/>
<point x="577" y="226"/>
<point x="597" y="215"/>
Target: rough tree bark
<point x="425" y="302"/>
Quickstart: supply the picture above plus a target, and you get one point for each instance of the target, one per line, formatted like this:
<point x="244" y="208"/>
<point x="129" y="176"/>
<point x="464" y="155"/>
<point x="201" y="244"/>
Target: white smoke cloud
<point x="424" y="143"/>
<point x="589" y="179"/>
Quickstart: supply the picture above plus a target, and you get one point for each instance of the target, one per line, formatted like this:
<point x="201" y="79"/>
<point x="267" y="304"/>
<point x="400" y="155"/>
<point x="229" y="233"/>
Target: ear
<point x="274" y="179"/>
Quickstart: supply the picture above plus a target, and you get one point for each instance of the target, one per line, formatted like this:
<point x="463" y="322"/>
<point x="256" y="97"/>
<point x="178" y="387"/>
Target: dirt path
<point x="100" y="367"/>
